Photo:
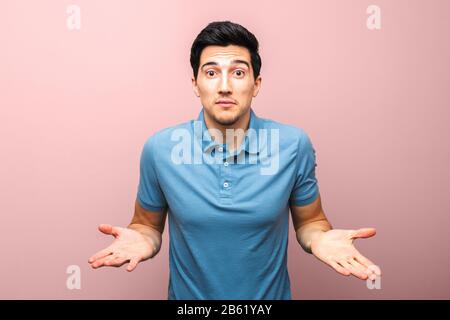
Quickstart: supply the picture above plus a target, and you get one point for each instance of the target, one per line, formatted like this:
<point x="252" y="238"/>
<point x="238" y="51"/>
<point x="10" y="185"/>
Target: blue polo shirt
<point x="228" y="212"/>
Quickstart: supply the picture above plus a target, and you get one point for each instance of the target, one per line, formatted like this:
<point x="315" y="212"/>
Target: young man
<point x="227" y="181"/>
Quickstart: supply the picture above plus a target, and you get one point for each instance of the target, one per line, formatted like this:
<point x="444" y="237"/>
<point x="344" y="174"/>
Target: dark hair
<point x="223" y="33"/>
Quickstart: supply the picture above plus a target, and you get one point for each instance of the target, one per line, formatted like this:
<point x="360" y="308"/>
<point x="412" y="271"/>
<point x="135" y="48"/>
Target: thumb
<point x="364" y="233"/>
<point x="108" y="229"/>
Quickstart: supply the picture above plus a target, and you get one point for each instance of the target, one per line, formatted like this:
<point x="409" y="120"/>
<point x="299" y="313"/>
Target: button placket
<point x="226" y="180"/>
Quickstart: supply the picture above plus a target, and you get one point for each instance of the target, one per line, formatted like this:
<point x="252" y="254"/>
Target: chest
<point x="228" y="194"/>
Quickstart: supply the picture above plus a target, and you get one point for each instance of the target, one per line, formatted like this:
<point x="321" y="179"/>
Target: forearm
<point x="310" y="231"/>
<point x="153" y="235"/>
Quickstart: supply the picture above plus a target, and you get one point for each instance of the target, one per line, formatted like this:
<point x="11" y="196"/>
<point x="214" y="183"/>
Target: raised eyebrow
<point x="241" y="61"/>
<point x="212" y="63"/>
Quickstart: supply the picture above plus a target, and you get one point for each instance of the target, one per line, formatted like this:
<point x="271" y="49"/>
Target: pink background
<point x="77" y="106"/>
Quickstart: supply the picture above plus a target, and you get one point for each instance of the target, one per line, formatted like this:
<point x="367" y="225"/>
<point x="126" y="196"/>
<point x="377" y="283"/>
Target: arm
<point x="150" y="224"/>
<point x="314" y="233"/>
<point x="334" y="247"/>
<point x="141" y="240"/>
<point x="309" y="223"/>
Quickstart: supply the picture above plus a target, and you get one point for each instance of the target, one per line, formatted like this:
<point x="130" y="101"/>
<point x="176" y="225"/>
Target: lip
<point x="225" y="103"/>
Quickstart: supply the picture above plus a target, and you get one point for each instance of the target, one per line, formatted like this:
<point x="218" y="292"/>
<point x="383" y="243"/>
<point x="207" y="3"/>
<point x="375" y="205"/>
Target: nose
<point x="225" y="87"/>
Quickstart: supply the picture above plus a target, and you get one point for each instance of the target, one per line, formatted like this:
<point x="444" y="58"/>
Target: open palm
<point x="335" y="248"/>
<point x="129" y="246"/>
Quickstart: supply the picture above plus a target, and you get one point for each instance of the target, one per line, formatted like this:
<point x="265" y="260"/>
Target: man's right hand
<point x="129" y="246"/>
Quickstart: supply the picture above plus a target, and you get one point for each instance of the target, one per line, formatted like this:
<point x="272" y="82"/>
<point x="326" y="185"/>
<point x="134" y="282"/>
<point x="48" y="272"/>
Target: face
<point x="225" y="84"/>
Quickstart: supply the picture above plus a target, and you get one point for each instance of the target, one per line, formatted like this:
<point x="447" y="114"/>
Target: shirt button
<point x="225" y="164"/>
<point x="225" y="184"/>
<point x="220" y="149"/>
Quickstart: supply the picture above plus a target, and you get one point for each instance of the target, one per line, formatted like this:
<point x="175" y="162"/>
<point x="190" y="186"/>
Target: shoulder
<point x="163" y="137"/>
<point x="159" y="144"/>
<point x="289" y="135"/>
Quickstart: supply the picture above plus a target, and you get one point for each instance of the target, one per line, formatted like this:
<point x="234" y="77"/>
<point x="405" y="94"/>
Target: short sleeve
<point x="150" y="195"/>
<point x="306" y="188"/>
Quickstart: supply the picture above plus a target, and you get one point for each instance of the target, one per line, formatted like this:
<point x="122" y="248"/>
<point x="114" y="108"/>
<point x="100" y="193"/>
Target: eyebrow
<point x="212" y="63"/>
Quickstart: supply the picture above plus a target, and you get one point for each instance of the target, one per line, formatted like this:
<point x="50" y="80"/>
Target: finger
<point x="363" y="260"/>
<point x="117" y="261"/>
<point x="374" y="271"/>
<point x="108" y="229"/>
<point x="102" y="261"/>
<point x="100" y="254"/>
<point x="364" y="233"/>
<point x="110" y="260"/>
<point x="351" y="268"/>
<point x="133" y="263"/>
<point x="339" y="268"/>
<point x="362" y="271"/>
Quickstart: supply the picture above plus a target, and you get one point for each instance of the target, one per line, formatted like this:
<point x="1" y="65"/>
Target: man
<point x="228" y="217"/>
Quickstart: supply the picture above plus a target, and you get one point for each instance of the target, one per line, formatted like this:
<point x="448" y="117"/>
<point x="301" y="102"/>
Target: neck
<point x="239" y="128"/>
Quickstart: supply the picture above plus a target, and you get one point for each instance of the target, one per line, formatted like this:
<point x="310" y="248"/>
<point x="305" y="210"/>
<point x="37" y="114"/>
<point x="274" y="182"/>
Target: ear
<point x="195" y="87"/>
<point x="257" y="86"/>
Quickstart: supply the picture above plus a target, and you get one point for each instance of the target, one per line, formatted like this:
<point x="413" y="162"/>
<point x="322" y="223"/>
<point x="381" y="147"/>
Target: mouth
<point x="225" y="103"/>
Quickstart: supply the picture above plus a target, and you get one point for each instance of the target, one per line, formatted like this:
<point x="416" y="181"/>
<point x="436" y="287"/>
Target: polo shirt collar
<point x="249" y="145"/>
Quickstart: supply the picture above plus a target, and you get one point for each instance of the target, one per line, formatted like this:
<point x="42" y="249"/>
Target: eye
<point x="239" y="73"/>
<point x="210" y="73"/>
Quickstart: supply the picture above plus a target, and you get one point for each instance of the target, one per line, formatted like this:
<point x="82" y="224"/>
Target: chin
<point x="227" y="120"/>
